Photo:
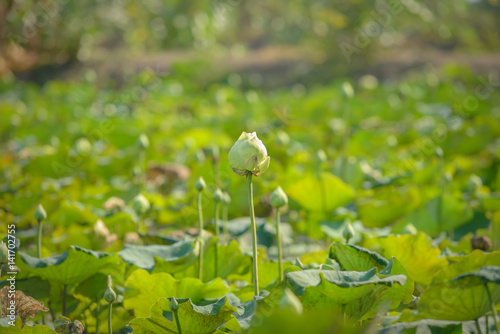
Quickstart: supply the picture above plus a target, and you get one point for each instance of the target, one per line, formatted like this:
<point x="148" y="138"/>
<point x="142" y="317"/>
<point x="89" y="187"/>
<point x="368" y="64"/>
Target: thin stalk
<point x="254" y="234"/>
<point x="278" y="236"/>
<point x="140" y="224"/>
<point x="176" y="316"/>
<point x="64" y="300"/>
<point x="98" y="310"/>
<point x="39" y="240"/>
<point x="217" y="205"/>
<point x="142" y="166"/>
<point x="215" y="164"/>
<point x="200" y="237"/>
<point x="225" y="219"/>
<point x="492" y="306"/>
<point x="477" y="326"/>
<point x="345" y="142"/>
<point x="110" y="311"/>
<point x="487" y="324"/>
<point x="322" y="191"/>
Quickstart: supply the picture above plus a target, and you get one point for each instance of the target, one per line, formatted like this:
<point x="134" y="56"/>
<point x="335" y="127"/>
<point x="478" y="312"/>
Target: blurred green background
<point x="270" y="43"/>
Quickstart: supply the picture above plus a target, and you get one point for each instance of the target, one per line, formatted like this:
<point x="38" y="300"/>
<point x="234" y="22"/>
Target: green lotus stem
<point x="346" y="139"/>
<point x="254" y="234"/>
<point x="487" y="324"/>
<point x="200" y="237"/>
<point x="477" y="326"/>
<point x="278" y="236"/>
<point x="217" y="205"/>
<point x="98" y="309"/>
<point x="176" y="316"/>
<point x="64" y="300"/>
<point x="39" y="240"/>
<point x="110" y="311"/>
<point x="225" y="219"/>
<point x="492" y="306"/>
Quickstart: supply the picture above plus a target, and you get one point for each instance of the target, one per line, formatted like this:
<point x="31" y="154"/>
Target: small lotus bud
<point x="200" y="157"/>
<point x="101" y="231"/>
<point x="174" y="304"/>
<point x="83" y="146"/>
<point x="321" y="156"/>
<point x="200" y="184"/>
<point x="480" y="242"/>
<point x="4" y="253"/>
<point x="143" y="141"/>
<point x="136" y="171"/>
<point x="282" y="138"/>
<point x="439" y="152"/>
<point x="214" y="152"/>
<point x="218" y="195"/>
<point x="249" y="155"/>
<point x="278" y="198"/>
<point x="348" y="232"/>
<point x="140" y="204"/>
<point x="114" y="204"/>
<point x="110" y="295"/>
<point x="40" y="213"/>
<point x="410" y="229"/>
<point x="474" y="183"/>
<point x="226" y="199"/>
<point x="346" y="90"/>
<point x="291" y="302"/>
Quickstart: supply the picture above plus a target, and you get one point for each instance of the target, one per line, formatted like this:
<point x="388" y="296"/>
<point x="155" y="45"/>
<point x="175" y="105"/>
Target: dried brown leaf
<point x="24" y="306"/>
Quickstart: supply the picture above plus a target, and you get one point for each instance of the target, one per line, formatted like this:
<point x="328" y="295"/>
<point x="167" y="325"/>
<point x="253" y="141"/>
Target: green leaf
<point x="231" y="262"/>
<point x="192" y="318"/>
<point x="73" y="266"/>
<point x="306" y="193"/>
<point x="428" y="219"/>
<point x="355" y="258"/>
<point x="428" y="326"/>
<point x="143" y="289"/>
<point x="385" y="205"/>
<point x="173" y="258"/>
<point x="359" y="294"/>
<point x="415" y="252"/>
<point x="454" y="297"/>
<point x="38" y="329"/>
<point x="486" y="274"/>
<point x="9" y="329"/>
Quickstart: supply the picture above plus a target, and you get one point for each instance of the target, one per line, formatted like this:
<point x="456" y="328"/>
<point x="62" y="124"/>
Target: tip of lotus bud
<point x="200" y="184"/>
<point x="40" y="213"/>
<point x="348" y="232"/>
<point x="174" y="304"/>
<point x="218" y="195"/>
<point x="143" y="141"/>
<point x="278" y="198"/>
<point x="140" y="204"/>
<point x="347" y="90"/>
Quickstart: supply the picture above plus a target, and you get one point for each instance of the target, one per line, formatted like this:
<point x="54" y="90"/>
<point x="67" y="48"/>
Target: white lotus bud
<point x="249" y="155"/>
